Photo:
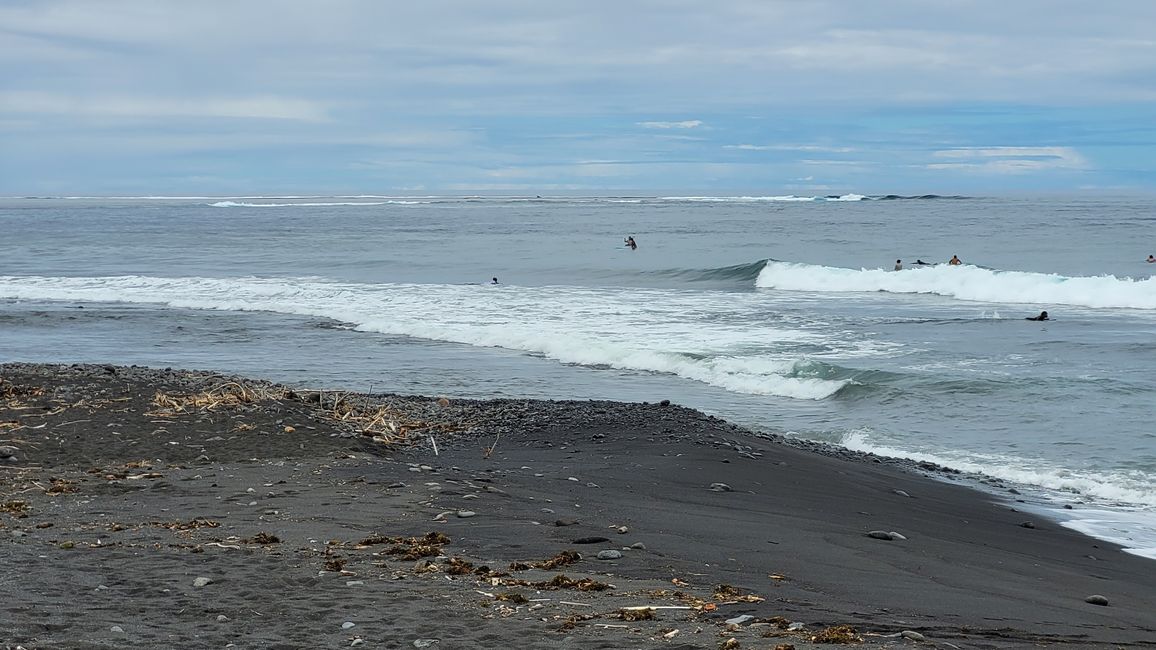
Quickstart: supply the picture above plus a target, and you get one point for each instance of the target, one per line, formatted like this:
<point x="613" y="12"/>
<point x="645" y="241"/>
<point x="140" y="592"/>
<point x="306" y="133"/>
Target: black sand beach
<point x="157" y="508"/>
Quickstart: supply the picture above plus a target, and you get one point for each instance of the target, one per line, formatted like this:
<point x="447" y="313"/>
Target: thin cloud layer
<point x="166" y="96"/>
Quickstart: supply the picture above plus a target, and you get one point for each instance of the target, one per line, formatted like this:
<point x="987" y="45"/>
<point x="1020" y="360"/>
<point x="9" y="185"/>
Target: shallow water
<point x="782" y="315"/>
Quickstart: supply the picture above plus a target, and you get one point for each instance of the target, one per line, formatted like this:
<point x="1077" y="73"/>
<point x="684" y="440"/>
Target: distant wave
<point x="624" y="329"/>
<point x="243" y="204"/>
<point x="970" y="283"/>
<point x="827" y="198"/>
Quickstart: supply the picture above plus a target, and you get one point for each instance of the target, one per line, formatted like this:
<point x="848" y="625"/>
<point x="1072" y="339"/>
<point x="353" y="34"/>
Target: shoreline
<point x="114" y="481"/>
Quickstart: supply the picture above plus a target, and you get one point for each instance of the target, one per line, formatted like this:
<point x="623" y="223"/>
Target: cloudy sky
<point x="558" y="96"/>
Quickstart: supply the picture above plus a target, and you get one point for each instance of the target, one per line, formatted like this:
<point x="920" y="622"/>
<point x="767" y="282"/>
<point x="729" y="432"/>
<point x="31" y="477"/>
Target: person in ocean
<point x="898" y="265"/>
<point x="955" y="261"/>
<point x="1151" y="259"/>
<point x="1043" y="316"/>
<point x="631" y="243"/>
<point x="494" y="281"/>
<point x="921" y="263"/>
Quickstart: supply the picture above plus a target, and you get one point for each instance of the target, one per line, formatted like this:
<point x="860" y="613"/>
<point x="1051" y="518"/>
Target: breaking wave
<point x="970" y="283"/>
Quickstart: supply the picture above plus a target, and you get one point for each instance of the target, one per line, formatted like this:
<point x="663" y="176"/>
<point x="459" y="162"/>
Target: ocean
<point x="779" y="313"/>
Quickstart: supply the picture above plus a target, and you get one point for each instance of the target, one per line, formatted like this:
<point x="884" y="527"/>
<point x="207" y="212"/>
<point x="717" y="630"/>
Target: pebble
<point x="638" y="546"/>
<point x="882" y="534"/>
<point x="356" y="642"/>
<point x="720" y="487"/>
<point x="902" y="493"/>
<point x="622" y="530"/>
<point x="415" y="469"/>
<point x="795" y="626"/>
<point x="116" y="628"/>
<point x="1097" y="599"/>
<point x="354" y="583"/>
<point x="464" y="514"/>
<point x="202" y="582"/>
<point x="564" y="522"/>
<point x="221" y="618"/>
<point x="469" y="496"/>
<point x="348" y="624"/>
<point x="425" y="643"/>
<point x="1028" y="524"/>
<point x="913" y="635"/>
<point x="609" y="555"/>
<point x="7" y="451"/>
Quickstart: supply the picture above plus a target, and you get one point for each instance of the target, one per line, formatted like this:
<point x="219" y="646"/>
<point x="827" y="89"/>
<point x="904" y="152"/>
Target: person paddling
<point x="1043" y="316"/>
<point x="955" y="261"/>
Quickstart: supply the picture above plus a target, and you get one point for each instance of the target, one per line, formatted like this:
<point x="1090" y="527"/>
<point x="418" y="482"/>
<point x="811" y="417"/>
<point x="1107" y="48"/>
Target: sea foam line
<point x="616" y="329"/>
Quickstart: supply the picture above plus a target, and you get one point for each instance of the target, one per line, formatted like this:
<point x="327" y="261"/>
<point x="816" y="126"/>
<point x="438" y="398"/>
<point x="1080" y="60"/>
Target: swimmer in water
<point x="1043" y="316"/>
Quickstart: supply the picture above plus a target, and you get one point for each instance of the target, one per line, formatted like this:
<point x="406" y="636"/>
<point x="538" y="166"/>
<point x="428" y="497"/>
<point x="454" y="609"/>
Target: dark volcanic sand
<point x="113" y="505"/>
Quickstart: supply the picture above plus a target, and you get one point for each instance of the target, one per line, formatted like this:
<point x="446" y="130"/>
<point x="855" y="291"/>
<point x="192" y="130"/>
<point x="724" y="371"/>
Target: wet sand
<point x="123" y="486"/>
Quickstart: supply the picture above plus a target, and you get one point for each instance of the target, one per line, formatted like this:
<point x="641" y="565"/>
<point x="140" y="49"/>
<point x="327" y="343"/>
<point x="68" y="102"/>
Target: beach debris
<point x="192" y="524"/>
<point x="561" y="559"/>
<point x="636" y="614"/>
<point x="425" y="643"/>
<point x="202" y="581"/>
<point x="728" y="594"/>
<point x="903" y="494"/>
<point x="511" y="597"/>
<point x="609" y="554"/>
<point x="729" y="644"/>
<point x="16" y="508"/>
<point x="720" y="487"/>
<point x="621" y="530"/>
<point x="262" y="538"/>
<point x="785" y="646"/>
<point x="1097" y="599"/>
<point x="837" y="634"/>
<point x="739" y="620"/>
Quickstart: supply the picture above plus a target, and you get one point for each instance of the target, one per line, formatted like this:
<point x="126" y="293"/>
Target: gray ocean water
<point x="780" y="313"/>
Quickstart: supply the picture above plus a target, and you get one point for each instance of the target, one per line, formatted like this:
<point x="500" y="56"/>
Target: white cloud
<point x="685" y="124"/>
<point x="789" y="147"/>
<point x="135" y="106"/>
<point x="1009" y="160"/>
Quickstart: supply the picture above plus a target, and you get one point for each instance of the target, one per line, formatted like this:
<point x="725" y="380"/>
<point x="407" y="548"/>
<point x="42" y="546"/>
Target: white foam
<point x="787" y="198"/>
<point x="1115" y="488"/>
<point x="637" y="329"/>
<point x="245" y="204"/>
<point x="966" y="283"/>
<point x="1135" y="531"/>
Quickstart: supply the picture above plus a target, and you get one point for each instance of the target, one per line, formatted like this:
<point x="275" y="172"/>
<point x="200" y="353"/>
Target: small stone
<point x="638" y="546"/>
<point x="795" y="626"/>
<point x="720" y="487"/>
<point x="1027" y="524"/>
<point x="356" y="642"/>
<point x="8" y="451"/>
<point x="469" y="497"/>
<point x="571" y="478"/>
<point x="913" y="635"/>
<point x="425" y="643"/>
<point x="902" y="493"/>
<point x="565" y="522"/>
<point x="895" y="535"/>
<point x="1097" y="599"/>
<point x="354" y="583"/>
<point x="465" y="514"/>
<point x="221" y="618"/>
<point x="202" y="582"/>
<point x="880" y="534"/>
<point x="348" y="624"/>
<point x="609" y="555"/>
<point x="117" y="629"/>
<point x="415" y="469"/>
<point x="622" y="530"/>
<point x="67" y="545"/>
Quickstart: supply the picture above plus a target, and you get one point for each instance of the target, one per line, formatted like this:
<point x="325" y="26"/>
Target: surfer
<point x="955" y="261"/>
<point x="1043" y="316"/>
<point x="494" y="281"/>
<point x="921" y="263"/>
<point x="630" y="243"/>
<point x="898" y="265"/>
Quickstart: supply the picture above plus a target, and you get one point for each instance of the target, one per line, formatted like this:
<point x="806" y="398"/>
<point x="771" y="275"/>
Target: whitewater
<point x="780" y="312"/>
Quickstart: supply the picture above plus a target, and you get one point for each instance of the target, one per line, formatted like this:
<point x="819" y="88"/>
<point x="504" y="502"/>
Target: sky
<point x="234" y="97"/>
